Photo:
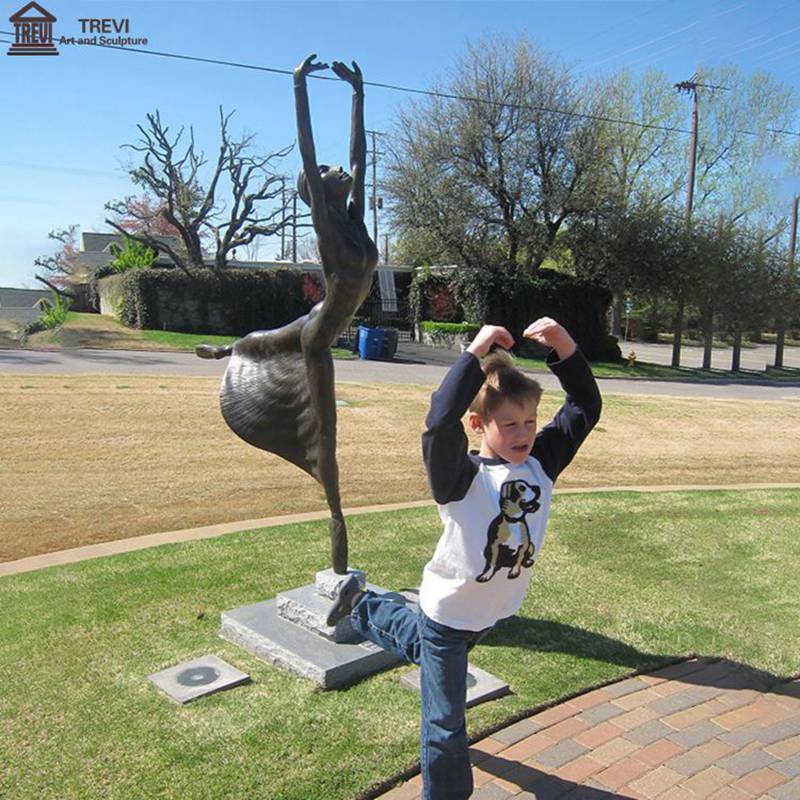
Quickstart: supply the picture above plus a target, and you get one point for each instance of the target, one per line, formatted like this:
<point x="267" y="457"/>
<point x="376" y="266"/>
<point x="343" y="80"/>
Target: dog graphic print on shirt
<point x="508" y="538"/>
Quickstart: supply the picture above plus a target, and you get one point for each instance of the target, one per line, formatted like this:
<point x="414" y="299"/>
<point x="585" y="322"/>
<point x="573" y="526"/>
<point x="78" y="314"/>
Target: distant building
<point x="95" y="251"/>
<point x="22" y="305"/>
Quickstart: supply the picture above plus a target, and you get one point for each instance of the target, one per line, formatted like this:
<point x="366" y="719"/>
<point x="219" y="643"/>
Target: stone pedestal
<point x="290" y="632"/>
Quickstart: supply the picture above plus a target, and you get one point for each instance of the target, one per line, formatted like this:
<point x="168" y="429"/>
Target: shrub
<point x="449" y="327"/>
<point x="55" y="313"/>
<point x="131" y="255"/>
<point x="579" y="304"/>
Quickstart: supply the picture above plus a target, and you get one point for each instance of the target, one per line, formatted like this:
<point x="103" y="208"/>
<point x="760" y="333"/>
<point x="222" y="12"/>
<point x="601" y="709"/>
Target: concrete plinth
<point x="290" y="632"/>
<point x="259" y="630"/>
<point x="307" y="609"/>
<point x="481" y="685"/>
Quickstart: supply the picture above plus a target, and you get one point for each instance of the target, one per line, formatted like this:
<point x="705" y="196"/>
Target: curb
<point x="72" y="555"/>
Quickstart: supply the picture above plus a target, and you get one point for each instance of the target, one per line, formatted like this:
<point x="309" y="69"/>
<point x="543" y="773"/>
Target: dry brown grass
<point x="86" y="459"/>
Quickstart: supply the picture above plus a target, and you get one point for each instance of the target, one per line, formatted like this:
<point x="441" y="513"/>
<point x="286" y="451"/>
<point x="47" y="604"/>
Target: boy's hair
<point x="503" y="382"/>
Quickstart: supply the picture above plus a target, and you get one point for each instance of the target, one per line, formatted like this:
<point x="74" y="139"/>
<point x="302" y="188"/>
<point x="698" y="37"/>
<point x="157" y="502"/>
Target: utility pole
<point x="374" y="200"/>
<point x="283" y="218"/>
<point x="294" y="227"/>
<point x="385" y="248"/>
<point x="691" y="87"/>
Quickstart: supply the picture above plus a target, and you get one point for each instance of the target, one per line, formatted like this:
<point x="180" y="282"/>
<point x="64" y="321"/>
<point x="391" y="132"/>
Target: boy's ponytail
<point x="504" y="381"/>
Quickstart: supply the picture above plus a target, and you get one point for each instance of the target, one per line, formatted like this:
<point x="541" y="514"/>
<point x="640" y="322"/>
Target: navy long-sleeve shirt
<point x="494" y="512"/>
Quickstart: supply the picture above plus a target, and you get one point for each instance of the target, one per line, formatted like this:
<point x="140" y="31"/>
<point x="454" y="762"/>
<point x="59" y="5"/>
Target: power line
<point x="694" y="24"/>
<point x="393" y="87"/>
<point x="411" y="90"/>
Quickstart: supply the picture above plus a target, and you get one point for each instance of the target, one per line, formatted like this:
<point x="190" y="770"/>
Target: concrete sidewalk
<point x="116" y="546"/>
<point x="703" y="728"/>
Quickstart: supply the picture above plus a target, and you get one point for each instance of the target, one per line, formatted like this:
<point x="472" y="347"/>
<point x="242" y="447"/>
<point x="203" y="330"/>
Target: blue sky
<point x="65" y="117"/>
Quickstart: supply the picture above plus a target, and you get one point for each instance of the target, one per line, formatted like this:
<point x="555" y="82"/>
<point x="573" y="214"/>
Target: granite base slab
<point x="260" y="630"/>
<point x="481" y="685"/>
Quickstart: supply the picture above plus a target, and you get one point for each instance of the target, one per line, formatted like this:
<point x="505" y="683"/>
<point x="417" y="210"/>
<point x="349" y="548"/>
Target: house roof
<point x="21" y="298"/>
<point x="95" y="252"/>
<point x="92" y="242"/>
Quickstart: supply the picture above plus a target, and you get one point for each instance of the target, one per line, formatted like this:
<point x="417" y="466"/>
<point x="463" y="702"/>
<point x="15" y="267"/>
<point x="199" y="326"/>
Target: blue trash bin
<point x="389" y="348"/>
<point x="370" y="342"/>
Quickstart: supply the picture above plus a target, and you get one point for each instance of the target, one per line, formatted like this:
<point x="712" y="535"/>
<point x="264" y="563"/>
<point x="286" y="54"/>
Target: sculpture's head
<point x="335" y="181"/>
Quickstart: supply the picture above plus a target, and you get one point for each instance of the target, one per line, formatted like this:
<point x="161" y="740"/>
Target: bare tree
<point x="145" y="215"/>
<point x="59" y="268"/>
<point x="171" y="173"/>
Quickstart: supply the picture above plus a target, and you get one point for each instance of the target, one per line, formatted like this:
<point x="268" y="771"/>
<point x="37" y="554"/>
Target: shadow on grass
<point x="548" y="636"/>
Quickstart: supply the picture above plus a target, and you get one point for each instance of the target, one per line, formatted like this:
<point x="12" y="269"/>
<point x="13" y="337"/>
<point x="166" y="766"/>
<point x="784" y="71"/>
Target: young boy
<point x="494" y="506"/>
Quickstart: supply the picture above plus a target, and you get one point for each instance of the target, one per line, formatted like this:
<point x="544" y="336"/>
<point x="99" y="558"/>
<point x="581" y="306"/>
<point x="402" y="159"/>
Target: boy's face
<point x="509" y="432"/>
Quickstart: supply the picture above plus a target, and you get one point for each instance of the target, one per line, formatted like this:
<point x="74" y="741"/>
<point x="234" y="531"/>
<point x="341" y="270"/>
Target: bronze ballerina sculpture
<point x="278" y="389"/>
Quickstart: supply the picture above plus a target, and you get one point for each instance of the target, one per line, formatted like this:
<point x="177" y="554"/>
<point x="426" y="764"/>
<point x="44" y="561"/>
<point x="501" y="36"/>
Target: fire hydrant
<point x="632" y="359"/>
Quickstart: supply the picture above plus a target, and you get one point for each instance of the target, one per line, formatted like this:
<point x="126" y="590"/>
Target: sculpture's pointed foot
<point x="213" y="351"/>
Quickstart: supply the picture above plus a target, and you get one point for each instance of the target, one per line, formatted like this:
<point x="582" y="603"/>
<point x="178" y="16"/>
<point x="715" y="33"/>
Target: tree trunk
<point x="708" y="334"/>
<point x="780" y="336"/>
<point x="737" y="350"/>
<point x="617" y="302"/>
<point x="677" y="327"/>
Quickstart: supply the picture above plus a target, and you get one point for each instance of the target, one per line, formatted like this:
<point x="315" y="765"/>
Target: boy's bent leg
<point x="388" y="624"/>
<point x="444" y="752"/>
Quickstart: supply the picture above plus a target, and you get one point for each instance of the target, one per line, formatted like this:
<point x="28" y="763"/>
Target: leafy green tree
<point x="489" y="175"/>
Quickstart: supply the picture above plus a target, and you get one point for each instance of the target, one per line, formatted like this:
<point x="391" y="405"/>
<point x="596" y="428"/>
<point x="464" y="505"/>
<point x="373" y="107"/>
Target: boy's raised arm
<point x="444" y="443"/>
<point x="558" y="441"/>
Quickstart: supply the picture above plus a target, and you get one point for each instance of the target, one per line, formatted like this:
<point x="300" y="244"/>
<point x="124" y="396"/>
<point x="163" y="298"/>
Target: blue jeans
<point x="441" y="653"/>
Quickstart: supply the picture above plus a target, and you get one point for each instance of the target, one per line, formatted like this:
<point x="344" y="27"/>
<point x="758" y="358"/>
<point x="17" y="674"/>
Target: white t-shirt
<point x="494" y="513"/>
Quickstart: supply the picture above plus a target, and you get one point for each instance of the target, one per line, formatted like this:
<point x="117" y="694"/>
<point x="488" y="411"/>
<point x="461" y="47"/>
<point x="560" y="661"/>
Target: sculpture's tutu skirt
<point x="265" y="398"/>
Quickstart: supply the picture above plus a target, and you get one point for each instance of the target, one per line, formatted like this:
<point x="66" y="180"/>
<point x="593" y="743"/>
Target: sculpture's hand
<point x="352" y="76"/>
<point x="308" y="66"/>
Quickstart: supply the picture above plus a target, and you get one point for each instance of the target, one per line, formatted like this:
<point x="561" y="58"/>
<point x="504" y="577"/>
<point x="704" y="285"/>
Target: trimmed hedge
<point x="232" y="304"/>
<point x="580" y="305"/>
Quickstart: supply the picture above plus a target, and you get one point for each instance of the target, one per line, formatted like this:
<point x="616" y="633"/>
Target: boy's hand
<point x="487" y="336"/>
<point x="550" y="333"/>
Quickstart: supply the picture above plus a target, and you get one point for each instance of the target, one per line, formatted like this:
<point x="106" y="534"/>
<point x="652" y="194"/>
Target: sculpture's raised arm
<point x="305" y="137"/>
<point x="358" y="138"/>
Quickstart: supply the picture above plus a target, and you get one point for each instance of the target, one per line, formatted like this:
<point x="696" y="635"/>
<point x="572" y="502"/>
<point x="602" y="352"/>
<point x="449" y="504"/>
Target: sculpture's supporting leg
<point x="338" y="543"/>
<point x="329" y="478"/>
<point x="319" y="368"/>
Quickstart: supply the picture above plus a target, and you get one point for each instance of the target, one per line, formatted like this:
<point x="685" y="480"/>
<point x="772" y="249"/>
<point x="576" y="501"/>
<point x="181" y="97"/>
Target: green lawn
<point x="188" y="341"/>
<point x="624" y="582"/>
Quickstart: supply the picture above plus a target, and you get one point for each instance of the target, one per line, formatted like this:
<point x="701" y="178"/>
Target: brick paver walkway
<point x="699" y="729"/>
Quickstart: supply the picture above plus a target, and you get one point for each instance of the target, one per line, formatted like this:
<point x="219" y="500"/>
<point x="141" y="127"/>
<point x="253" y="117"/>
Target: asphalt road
<point x="414" y="365"/>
